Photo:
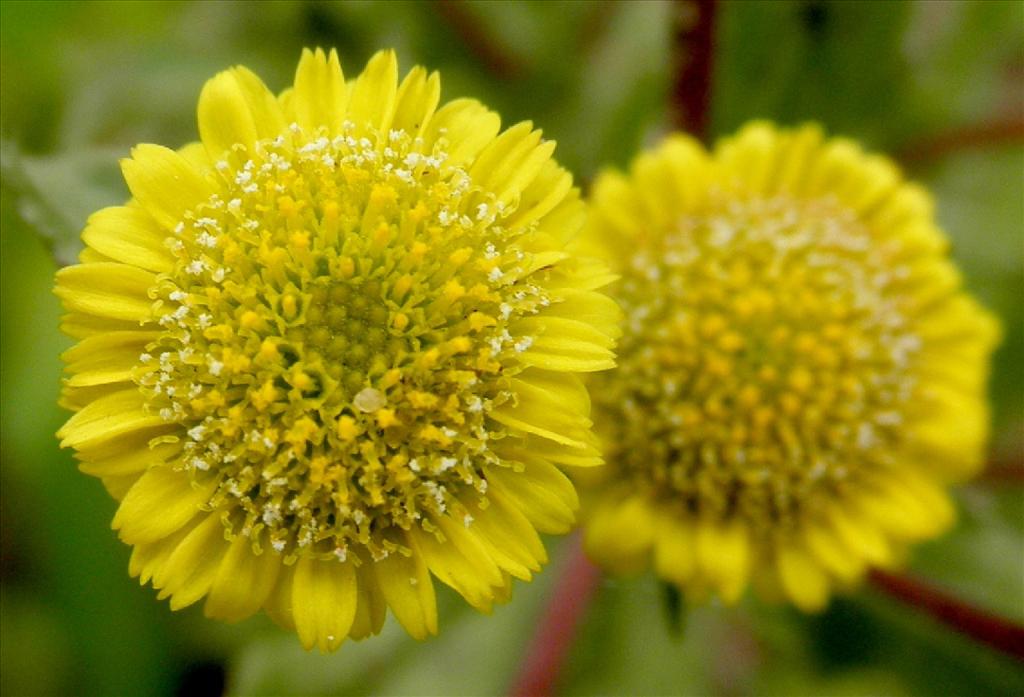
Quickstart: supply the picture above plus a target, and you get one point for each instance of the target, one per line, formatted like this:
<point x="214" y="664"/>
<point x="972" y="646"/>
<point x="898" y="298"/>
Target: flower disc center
<point x="766" y="355"/>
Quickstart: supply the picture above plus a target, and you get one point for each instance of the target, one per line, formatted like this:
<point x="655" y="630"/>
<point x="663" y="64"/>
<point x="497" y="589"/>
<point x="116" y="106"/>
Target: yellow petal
<point x="465" y="126"/>
<point x="190" y="570"/>
<point x="508" y="536"/>
<point x="78" y="325"/>
<point x="405" y="583"/>
<point x="164" y="183"/>
<point x="236" y="108"/>
<point x="860" y="536"/>
<point x="830" y="552"/>
<point x="802" y="579"/>
<point x="320" y="95"/>
<point x="674" y="548"/>
<point x="596" y="309"/>
<point x="161" y="501"/>
<point x="323" y="602"/>
<point x="473" y="578"/>
<point x="620" y="533"/>
<point x="723" y="549"/>
<point x="133" y="461"/>
<point x="149" y="558"/>
<point x="418" y="96"/>
<point x="112" y="290"/>
<point x="279" y="604"/>
<point x="545" y="496"/>
<point x="749" y="157"/>
<point x="372" y="103"/>
<point x="542" y="195"/>
<point x="243" y="582"/>
<point x="108" y="417"/>
<point x="105" y="358"/>
<point x="128" y="234"/>
<point x="511" y="162"/>
<point x="371" y="607"/>
<point x="118" y="485"/>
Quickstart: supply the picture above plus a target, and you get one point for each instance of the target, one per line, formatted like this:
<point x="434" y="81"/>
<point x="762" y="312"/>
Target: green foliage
<point x="80" y="83"/>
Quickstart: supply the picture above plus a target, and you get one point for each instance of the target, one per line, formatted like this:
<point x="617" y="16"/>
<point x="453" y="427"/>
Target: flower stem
<point x="977" y="136"/>
<point x="693" y="51"/>
<point x="564" y="613"/>
<point x="999" y="633"/>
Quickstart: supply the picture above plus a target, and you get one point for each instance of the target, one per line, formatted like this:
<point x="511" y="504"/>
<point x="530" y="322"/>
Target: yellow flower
<point x="800" y="373"/>
<point x="332" y="349"/>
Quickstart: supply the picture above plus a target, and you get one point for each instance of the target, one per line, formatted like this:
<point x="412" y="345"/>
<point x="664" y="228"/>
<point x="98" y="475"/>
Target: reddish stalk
<point x="562" y="617"/>
<point x="931" y="149"/>
<point x="987" y="628"/>
<point x="693" y="53"/>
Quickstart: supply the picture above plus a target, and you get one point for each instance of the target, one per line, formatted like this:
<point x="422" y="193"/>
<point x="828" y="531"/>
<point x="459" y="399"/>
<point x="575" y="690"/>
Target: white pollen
<point x="467" y="520"/>
<point x="524" y="343"/>
<point x="412" y="159"/>
<point x="481" y="211"/>
<point x="447" y="463"/>
<point x="196" y="267"/>
<point x="278" y="545"/>
<point x="495" y="274"/>
<point x="215" y="366"/>
<point x="234" y="204"/>
<point x="197" y="432"/>
<point x="369" y="400"/>
<point x="179" y="228"/>
<point x="145" y="358"/>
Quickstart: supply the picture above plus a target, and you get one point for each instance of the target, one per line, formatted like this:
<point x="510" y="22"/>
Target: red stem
<point x="693" y="52"/>
<point x="933" y="148"/>
<point x="987" y="628"/>
<point x="562" y="617"/>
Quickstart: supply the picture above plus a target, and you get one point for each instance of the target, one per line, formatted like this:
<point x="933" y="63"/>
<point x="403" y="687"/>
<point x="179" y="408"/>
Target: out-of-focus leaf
<point x="53" y="196"/>
<point x="675" y="608"/>
<point x="980" y="560"/>
<point x="840" y="63"/>
<point x="626" y="648"/>
<point x="34" y="650"/>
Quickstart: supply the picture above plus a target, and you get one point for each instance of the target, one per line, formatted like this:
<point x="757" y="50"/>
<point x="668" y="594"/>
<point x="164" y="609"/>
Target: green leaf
<point x="675" y="608"/>
<point x="53" y="196"/>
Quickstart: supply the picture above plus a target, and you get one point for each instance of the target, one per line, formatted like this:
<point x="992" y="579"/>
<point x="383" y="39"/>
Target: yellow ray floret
<point x="327" y="354"/>
<point x="800" y="373"/>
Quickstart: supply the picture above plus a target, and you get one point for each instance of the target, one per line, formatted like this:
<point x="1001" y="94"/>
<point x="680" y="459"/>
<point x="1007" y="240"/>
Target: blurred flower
<point x="800" y="373"/>
<point x="331" y="350"/>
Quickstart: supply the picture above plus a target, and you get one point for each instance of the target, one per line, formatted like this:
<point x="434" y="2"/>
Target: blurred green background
<point x="937" y="84"/>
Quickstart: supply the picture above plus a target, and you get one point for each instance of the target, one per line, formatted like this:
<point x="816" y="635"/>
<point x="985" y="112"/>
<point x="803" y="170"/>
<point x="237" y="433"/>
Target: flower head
<point x="800" y="371"/>
<point x="331" y="350"/>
